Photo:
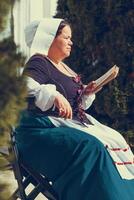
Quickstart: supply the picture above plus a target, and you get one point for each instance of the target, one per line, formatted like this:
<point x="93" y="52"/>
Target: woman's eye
<point x="66" y="37"/>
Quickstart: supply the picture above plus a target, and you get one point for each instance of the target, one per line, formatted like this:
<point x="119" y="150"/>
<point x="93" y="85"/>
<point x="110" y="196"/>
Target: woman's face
<point x="62" y="43"/>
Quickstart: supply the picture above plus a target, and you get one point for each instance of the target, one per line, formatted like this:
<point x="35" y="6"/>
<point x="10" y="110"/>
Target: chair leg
<point x="25" y="176"/>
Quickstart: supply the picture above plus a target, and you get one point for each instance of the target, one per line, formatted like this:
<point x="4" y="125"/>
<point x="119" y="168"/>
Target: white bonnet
<point x="40" y="34"/>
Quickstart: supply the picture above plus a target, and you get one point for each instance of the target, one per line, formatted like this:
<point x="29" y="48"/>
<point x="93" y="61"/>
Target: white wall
<point x="26" y="11"/>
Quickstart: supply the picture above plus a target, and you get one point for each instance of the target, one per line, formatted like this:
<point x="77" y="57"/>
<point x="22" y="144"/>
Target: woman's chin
<point x="68" y="53"/>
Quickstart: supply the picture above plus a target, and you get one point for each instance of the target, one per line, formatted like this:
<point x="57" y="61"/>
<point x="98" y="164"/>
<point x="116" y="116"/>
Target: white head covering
<point x="40" y="34"/>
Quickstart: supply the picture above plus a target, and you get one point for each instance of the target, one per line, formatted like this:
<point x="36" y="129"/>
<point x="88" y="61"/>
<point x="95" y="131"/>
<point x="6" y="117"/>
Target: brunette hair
<point x="61" y="26"/>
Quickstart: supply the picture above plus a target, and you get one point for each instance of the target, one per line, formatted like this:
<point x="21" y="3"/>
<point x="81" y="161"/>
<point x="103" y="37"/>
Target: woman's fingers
<point x="65" y="111"/>
<point x="68" y="112"/>
<point x="63" y="106"/>
<point x="91" y="88"/>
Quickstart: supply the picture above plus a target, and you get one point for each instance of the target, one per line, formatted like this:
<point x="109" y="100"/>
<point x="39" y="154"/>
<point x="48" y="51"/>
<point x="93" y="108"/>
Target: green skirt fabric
<point x="77" y="163"/>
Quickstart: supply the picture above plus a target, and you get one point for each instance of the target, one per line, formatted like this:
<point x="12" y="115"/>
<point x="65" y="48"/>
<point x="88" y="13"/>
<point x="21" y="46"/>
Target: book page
<point x="108" y="76"/>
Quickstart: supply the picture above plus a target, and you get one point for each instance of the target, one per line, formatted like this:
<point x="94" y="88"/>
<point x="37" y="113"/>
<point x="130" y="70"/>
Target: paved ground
<point x="8" y="177"/>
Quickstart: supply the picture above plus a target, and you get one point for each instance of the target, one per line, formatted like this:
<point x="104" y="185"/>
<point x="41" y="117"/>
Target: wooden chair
<point x="25" y="176"/>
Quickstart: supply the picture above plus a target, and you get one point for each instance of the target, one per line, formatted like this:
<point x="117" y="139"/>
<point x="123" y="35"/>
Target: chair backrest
<point x="25" y="176"/>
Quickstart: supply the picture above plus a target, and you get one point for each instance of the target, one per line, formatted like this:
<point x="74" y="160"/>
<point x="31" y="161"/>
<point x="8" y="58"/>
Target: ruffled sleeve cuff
<point x="87" y="100"/>
<point x="44" y="93"/>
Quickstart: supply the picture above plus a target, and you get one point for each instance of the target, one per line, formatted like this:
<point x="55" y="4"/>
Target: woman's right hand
<point x="91" y="88"/>
<point x="63" y="106"/>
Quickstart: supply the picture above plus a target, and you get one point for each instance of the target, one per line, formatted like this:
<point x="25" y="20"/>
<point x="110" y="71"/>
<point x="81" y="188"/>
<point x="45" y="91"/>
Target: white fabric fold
<point x="110" y="138"/>
<point x="46" y="31"/>
<point x="44" y="93"/>
<point x="87" y="100"/>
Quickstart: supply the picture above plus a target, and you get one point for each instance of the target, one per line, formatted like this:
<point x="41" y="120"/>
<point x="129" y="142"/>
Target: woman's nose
<point x="70" y="42"/>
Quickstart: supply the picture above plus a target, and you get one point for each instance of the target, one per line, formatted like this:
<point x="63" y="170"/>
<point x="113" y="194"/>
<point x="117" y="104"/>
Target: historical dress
<point x="84" y="159"/>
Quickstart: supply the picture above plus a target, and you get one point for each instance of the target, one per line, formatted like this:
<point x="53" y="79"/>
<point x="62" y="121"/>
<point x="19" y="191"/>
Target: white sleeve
<point x="44" y="93"/>
<point x="87" y="101"/>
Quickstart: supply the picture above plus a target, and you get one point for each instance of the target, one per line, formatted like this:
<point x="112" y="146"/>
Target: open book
<point x="108" y="76"/>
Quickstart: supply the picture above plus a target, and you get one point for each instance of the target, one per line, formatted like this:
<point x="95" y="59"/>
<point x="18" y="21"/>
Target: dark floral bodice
<point x="44" y="72"/>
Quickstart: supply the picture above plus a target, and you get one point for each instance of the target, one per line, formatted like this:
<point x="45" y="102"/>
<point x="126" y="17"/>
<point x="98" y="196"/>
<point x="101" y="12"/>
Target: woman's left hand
<point x="91" y="88"/>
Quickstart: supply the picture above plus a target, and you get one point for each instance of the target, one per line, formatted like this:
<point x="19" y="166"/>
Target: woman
<point x="82" y="157"/>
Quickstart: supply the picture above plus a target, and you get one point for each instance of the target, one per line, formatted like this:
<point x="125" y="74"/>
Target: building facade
<point x="26" y="11"/>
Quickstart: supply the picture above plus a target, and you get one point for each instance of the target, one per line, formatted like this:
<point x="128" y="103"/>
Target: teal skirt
<point x="77" y="163"/>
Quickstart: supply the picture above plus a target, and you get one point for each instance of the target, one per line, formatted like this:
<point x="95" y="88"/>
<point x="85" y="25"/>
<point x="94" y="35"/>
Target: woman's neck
<point x="54" y="59"/>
